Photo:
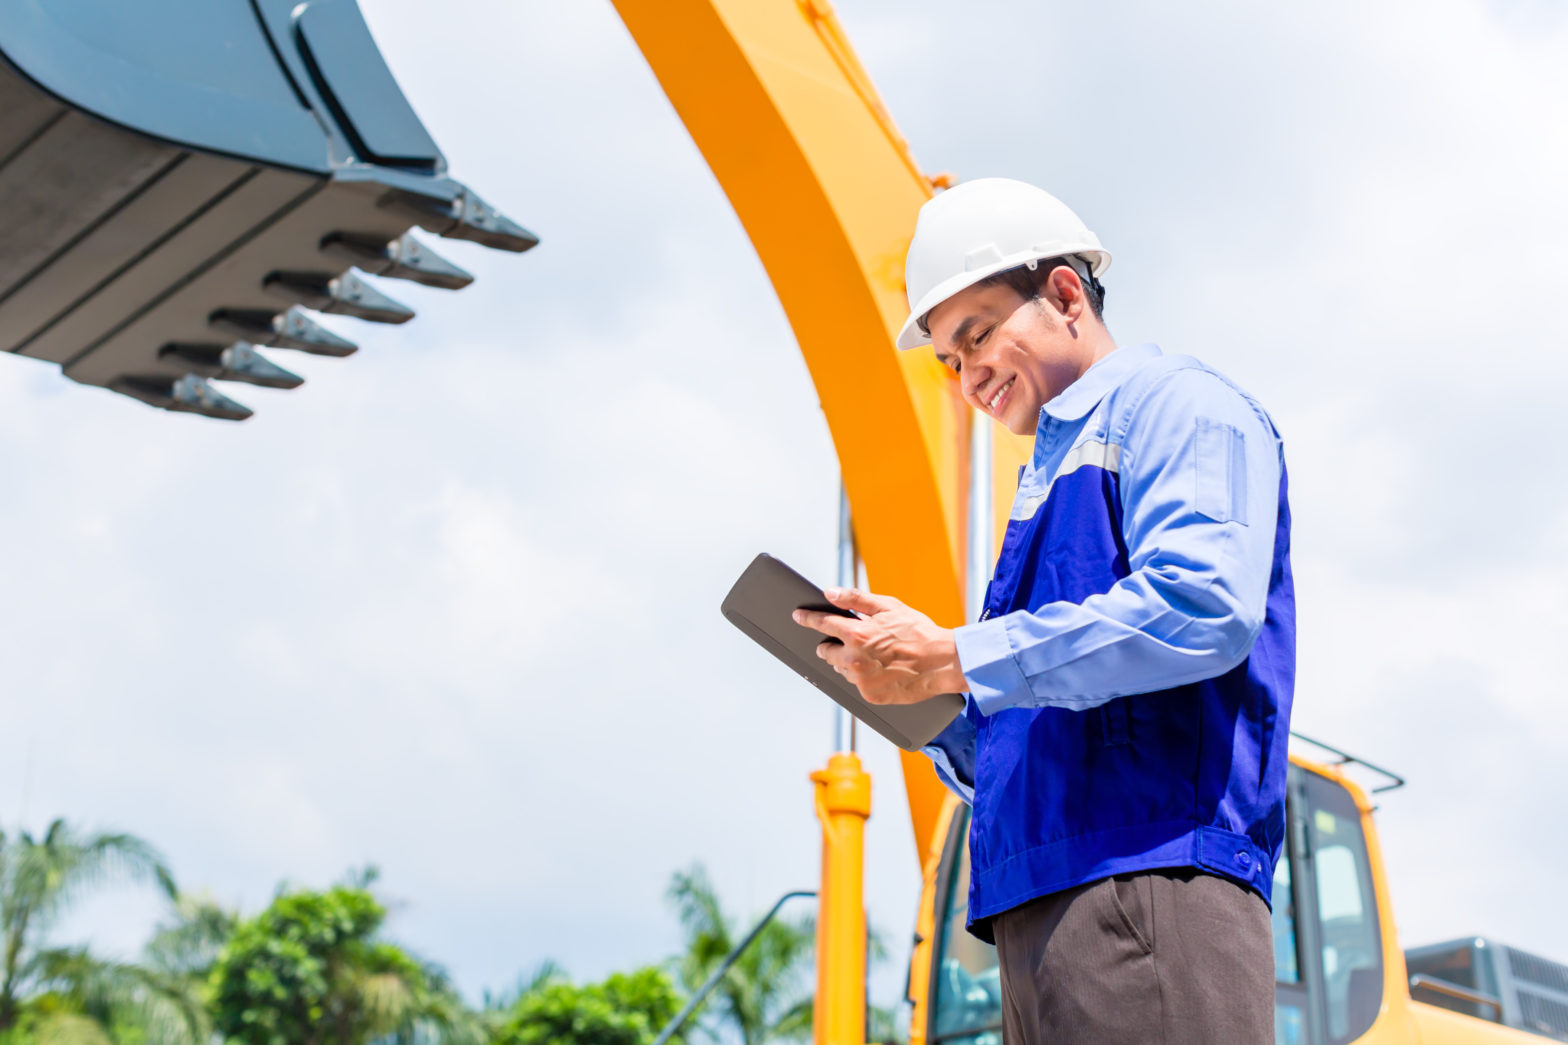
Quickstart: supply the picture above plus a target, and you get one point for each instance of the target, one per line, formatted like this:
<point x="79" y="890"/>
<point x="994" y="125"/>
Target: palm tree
<point x="64" y="994"/>
<point x="175" y="965"/>
<point x="189" y="943"/>
<point x="762" y="997"/>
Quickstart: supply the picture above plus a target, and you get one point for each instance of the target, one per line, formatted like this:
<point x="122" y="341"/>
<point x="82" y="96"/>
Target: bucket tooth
<point x="403" y="258"/>
<point x="290" y="328"/>
<point x="193" y="395"/>
<point x="347" y="295"/>
<point x="188" y="394"/>
<point x="466" y="217"/>
<point x="237" y="362"/>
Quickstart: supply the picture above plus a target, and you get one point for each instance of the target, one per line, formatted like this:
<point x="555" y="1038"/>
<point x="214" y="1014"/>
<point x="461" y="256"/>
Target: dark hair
<point x="1027" y="282"/>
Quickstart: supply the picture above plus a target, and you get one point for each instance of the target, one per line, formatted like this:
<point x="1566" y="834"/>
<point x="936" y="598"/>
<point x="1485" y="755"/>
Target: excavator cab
<point x="1328" y="950"/>
<point x="184" y="182"/>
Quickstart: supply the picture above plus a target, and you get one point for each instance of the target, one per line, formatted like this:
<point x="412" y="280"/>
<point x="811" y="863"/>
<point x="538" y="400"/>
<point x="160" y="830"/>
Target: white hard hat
<point x="982" y="227"/>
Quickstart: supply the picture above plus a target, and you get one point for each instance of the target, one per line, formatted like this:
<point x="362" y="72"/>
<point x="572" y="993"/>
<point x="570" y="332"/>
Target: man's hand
<point x="893" y="654"/>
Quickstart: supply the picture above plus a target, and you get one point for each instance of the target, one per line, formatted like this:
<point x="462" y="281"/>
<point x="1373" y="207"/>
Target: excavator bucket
<point x="181" y="181"/>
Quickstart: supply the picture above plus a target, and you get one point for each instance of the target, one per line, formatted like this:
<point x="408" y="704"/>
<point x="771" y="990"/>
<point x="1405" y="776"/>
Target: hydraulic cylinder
<point x="843" y="800"/>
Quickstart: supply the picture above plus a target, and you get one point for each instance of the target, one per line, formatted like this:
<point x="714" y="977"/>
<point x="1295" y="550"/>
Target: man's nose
<point x="975" y="376"/>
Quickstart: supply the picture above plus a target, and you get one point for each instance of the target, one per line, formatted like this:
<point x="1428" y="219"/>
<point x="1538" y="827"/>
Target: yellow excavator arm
<point x="828" y="191"/>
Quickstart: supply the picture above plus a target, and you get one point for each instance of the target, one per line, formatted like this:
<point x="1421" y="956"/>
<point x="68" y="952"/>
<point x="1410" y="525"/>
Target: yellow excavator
<point x="183" y="184"/>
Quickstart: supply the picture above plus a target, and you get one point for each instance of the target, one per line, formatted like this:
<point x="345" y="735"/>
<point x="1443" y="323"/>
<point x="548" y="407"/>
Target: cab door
<point x="1338" y="991"/>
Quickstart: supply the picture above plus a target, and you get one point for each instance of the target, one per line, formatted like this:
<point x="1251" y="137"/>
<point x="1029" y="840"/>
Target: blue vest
<point x="1190" y="777"/>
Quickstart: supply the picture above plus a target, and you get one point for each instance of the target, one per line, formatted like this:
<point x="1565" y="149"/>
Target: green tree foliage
<point x="64" y="995"/>
<point x="764" y="996"/>
<point x="625" y="1009"/>
<point x="310" y="970"/>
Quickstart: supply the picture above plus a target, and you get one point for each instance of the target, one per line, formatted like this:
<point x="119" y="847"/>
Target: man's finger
<point x="832" y="652"/>
<point x="831" y="624"/>
<point x="860" y="601"/>
<point x="841" y="658"/>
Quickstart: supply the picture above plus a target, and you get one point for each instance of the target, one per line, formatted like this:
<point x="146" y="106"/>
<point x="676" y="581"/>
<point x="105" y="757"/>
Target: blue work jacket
<point x="1131" y="676"/>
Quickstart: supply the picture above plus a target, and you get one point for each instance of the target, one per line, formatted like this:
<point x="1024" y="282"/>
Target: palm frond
<point x="697" y="906"/>
<point x="388" y="1000"/>
<point x="189" y="941"/>
<point x="44" y="877"/>
<point x="795" y="1022"/>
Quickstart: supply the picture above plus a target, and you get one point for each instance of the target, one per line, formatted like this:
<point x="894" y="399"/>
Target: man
<point x="1129" y="682"/>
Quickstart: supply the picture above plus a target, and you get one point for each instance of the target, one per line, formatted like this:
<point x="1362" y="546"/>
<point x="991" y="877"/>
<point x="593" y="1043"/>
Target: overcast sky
<point x="451" y="608"/>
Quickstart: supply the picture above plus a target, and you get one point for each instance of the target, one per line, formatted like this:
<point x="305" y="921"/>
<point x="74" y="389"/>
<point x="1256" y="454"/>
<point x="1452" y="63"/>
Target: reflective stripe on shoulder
<point x="1105" y="456"/>
<point x="1102" y="455"/>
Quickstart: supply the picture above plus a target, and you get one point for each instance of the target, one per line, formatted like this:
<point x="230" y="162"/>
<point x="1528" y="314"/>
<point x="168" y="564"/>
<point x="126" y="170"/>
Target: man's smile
<point x="995" y="402"/>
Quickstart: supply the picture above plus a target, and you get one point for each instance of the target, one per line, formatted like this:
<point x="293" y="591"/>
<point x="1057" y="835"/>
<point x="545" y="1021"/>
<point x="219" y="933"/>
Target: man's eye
<point x="984" y="334"/>
<point x="955" y="364"/>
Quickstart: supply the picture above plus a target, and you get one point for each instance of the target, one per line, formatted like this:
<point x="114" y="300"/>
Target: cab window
<point x="1350" y="952"/>
<point x="966" y="992"/>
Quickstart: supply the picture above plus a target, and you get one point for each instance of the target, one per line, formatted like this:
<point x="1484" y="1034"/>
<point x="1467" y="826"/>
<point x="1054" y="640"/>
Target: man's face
<point x="1012" y="354"/>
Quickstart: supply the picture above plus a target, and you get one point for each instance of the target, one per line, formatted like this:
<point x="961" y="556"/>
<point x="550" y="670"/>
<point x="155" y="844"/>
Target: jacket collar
<point x="1084" y="394"/>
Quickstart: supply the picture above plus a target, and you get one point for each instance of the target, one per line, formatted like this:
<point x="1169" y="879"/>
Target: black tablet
<point x="761" y="604"/>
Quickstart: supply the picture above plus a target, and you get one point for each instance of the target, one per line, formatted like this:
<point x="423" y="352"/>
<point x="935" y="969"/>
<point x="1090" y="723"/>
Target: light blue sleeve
<point x="952" y="753"/>
<point x="1199" y="476"/>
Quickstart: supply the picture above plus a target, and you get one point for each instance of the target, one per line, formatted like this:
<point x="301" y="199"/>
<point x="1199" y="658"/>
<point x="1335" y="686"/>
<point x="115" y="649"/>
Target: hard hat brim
<point x="910" y="335"/>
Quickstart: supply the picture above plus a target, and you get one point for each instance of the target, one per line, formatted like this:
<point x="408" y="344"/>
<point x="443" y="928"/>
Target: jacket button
<point x="1244" y="858"/>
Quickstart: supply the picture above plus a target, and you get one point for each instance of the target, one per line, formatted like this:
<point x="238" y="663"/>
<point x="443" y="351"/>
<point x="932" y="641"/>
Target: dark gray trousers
<point x="1160" y="957"/>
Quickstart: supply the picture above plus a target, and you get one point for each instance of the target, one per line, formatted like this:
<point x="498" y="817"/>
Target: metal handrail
<point x="724" y="967"/>
<point x="1346" y="758"/>
<point x="1421" y="981"/>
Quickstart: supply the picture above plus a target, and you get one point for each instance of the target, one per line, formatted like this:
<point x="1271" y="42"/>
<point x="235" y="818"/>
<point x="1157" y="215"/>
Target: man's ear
<point x="1064" y="290"/>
